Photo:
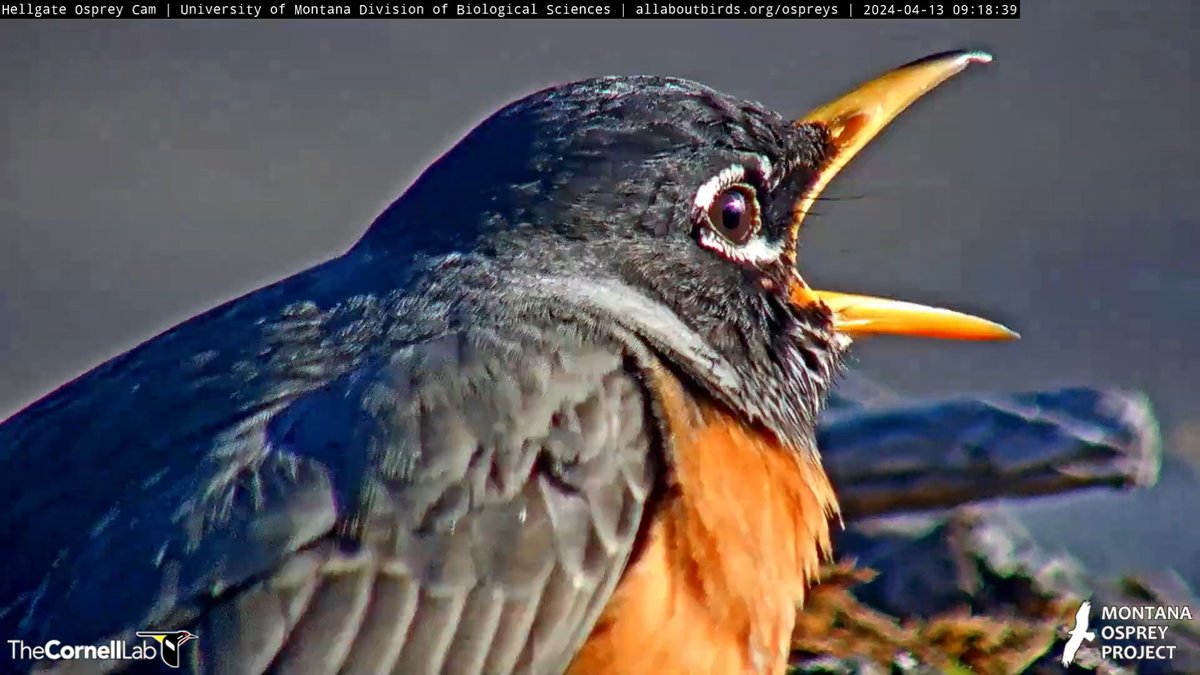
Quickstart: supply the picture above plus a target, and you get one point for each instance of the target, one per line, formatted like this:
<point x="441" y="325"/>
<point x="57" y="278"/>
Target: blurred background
<point x="149" y="170"/>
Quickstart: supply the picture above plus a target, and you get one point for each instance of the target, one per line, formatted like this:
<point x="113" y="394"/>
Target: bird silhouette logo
<point x="1078" y="634"/>
<point x="170" y="641"/>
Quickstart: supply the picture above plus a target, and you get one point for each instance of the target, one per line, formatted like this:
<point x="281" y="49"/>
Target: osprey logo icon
<point x="1078" y="634"/>
<point x="171" y="641"/>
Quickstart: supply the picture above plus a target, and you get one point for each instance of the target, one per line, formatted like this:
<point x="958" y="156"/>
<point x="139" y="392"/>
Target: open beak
<point x="850" y="123"/>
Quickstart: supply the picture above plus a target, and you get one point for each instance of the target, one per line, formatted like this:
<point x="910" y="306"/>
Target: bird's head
<point x="673" y="211"/>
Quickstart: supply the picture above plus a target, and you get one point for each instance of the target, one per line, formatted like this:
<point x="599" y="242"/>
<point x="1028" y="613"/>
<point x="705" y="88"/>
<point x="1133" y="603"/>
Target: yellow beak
<point x="849" y="124"/>
<point x="865" y="315"/>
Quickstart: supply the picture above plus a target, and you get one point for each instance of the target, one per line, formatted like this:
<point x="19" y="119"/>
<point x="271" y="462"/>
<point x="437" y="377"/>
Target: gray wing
<point x="498" y="506"/>
<point x="457" y="509"/>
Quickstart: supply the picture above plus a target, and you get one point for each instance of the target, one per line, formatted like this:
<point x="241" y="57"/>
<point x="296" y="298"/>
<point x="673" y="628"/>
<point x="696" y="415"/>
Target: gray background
<point x="149" y="170"/>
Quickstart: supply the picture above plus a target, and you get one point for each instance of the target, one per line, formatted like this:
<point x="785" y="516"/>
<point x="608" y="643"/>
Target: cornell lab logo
<point x="1145" y="626"/>
<point x="170" y="641"/>
<point x="167" y="648"/>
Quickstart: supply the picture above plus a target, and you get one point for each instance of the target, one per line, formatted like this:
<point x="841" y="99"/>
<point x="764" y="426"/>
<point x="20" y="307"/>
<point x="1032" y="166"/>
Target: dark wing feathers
<point x="116" y="474"/>
<point x="465" y="506"/>
<point x="497" y="507"/>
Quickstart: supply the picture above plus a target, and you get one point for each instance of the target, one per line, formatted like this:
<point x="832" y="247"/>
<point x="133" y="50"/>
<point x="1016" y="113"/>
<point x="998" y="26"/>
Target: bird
<point x="1078" y="634"/>
<point x="552" y="413"/>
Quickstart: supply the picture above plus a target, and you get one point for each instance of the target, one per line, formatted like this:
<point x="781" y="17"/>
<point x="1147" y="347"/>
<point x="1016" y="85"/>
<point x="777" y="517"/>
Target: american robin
<point x="553" y="412"/>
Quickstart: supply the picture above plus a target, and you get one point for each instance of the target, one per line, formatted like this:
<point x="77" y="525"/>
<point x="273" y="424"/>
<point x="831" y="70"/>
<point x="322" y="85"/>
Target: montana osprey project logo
<point x="1126" y="633"/>
<point x="171" y="641"/>
<point x="1078" y="634"/>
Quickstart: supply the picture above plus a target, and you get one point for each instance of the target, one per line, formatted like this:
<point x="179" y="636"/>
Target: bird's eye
<point x="734" y="214"/>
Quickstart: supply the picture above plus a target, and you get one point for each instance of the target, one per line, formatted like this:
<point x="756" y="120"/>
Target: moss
<point x="836" y="628"/>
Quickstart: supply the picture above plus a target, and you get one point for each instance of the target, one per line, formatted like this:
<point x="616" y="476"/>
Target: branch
<point x="941" y="454"/>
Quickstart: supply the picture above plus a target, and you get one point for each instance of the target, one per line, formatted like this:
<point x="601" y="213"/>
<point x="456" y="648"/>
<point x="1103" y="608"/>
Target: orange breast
<point x="728" y="555"/>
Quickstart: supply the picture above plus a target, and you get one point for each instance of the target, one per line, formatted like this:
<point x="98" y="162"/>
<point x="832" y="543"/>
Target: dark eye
<point x="734" y="214"/>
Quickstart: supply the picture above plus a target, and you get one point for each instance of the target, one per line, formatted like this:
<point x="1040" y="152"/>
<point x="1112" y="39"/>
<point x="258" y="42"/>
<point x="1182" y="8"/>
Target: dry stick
<point x="941" y="454"/>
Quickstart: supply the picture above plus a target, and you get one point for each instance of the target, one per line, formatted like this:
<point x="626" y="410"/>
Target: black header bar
<point x="540" y="9"/>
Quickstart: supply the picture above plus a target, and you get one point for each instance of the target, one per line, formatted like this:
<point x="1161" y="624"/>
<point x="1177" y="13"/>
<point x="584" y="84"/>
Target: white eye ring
<point x="715" y="185"/>
<point x="747" y="249"/>
<point x="734" y="213"/>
